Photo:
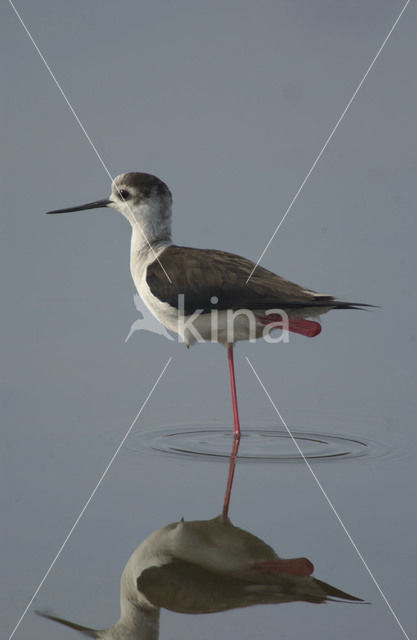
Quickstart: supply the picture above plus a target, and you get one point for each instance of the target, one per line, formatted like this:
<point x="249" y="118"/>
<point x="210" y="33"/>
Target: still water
<point x="167" y="472"/>
<point x="206" y="566"/>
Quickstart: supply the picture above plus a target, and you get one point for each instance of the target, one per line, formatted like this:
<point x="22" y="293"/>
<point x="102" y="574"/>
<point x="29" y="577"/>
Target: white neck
<point x="135" y="623"/>
<point x="142" y="241"/>
<point x="151" y="224"/>
<point x="143" y="252"/>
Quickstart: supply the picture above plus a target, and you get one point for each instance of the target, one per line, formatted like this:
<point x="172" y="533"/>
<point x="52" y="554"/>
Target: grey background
<point x="229" y="103"/>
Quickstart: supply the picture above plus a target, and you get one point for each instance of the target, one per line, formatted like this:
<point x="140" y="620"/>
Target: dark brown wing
<point x="188" y="588"/>
<point x="201" y="274"/>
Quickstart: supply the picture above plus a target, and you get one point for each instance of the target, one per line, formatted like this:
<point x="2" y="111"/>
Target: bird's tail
<point x="340" y="304"/>
<point x="327" y="302"/>
<point x="333" y="593"/>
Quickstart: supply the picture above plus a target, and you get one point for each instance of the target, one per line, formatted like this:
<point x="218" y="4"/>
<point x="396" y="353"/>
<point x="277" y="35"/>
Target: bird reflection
<point x="206" y="566"/>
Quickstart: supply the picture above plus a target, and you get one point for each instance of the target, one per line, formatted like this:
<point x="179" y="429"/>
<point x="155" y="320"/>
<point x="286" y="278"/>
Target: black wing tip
<point x="337" y="595"/>
<point x="350" y="600"/>
<point x="361" y="306"/>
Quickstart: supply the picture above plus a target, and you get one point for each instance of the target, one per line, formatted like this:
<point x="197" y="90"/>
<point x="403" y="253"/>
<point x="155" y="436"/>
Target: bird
<point x="206" y="294"/>
<point x="205" y="566"/>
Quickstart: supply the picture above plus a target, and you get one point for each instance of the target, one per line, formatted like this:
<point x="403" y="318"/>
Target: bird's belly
<point x="225" y="327"/>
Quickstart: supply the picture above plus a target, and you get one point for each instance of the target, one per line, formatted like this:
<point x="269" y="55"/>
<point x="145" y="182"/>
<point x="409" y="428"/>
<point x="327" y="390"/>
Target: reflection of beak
<point x="91" y="205"/>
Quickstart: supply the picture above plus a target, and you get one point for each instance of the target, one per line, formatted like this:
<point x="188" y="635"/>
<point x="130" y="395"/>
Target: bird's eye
<point x="124" y="193"/>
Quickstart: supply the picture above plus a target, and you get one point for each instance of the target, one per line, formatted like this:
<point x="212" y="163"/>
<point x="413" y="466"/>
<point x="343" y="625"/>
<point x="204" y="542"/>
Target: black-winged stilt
<point x="204" y="294"/>
<point x="205" y="566"/>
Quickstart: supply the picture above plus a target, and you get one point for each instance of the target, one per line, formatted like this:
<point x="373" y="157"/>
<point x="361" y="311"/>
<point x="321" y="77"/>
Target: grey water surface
<point x="229" y="103"/>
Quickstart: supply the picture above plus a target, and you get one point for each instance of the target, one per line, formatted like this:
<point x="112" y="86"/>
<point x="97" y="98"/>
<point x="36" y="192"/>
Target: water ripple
<point x="258" y="445"/>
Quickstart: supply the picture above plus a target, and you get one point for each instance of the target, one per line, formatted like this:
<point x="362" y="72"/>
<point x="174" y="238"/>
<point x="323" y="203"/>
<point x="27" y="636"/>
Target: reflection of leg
<point x="236" y="425"/>
<point x="232" y="465"/>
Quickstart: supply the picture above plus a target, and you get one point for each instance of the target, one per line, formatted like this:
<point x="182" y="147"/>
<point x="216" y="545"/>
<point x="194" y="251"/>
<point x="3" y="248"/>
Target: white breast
<point x="167" y="315"/>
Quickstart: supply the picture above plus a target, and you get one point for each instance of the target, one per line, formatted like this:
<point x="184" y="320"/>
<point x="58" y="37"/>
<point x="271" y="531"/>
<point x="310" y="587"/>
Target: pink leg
<point x="236" y="425"/>
<point x="232" y="465"/>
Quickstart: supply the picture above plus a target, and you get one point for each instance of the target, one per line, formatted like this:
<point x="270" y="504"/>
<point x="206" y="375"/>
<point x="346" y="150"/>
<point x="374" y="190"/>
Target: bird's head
<point x="141" y="198"/>
<point x="137" y="195"/>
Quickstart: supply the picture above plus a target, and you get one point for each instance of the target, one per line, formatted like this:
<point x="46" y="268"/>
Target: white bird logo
<point x="146" y="321"/>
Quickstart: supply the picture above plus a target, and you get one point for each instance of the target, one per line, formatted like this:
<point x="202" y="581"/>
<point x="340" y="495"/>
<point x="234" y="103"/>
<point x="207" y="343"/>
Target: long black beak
<point x="91" y="205"/>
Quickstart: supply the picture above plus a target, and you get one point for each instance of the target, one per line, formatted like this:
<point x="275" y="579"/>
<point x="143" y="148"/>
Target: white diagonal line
<point x="333" y="131"/>
<point x="328" y="500"/>
<point x="83" y="510"/>
<point x="80" y="124"/>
